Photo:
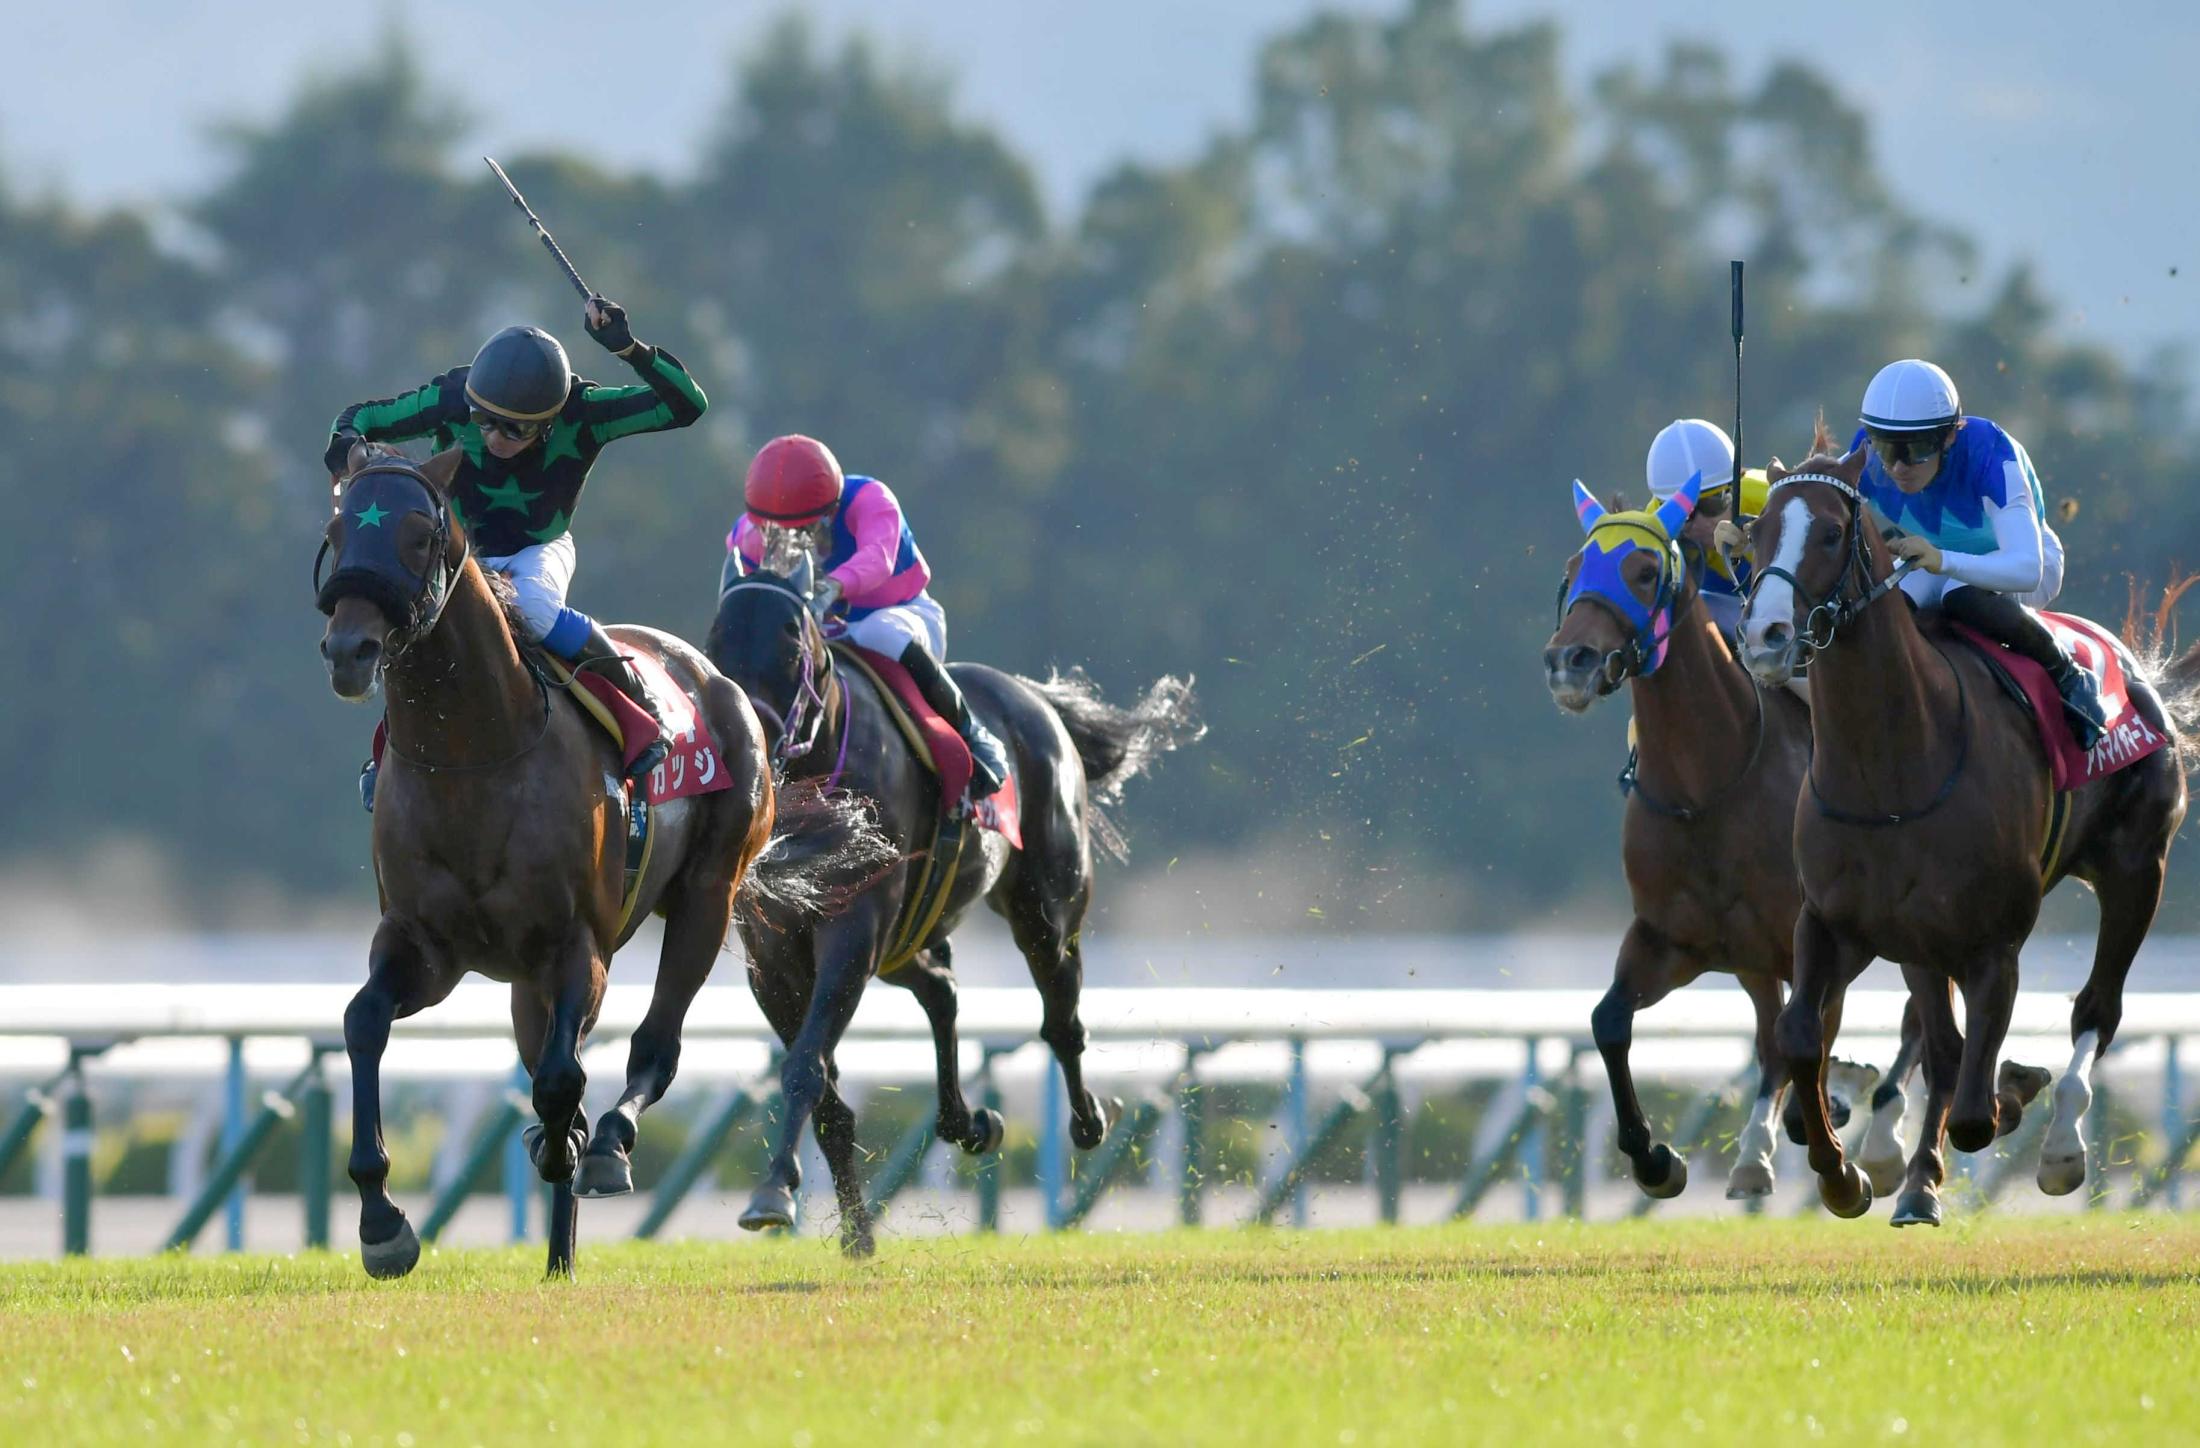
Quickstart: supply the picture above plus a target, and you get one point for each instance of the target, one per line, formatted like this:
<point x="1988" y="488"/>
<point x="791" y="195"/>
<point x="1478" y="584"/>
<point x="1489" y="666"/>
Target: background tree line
<point x="1297" y="415"/>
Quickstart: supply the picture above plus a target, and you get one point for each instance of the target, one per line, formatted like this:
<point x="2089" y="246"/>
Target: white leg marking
<point x="2062" y="1154"/>
<point x="1884" y="1157"/>
<point x="1752" y="1174"/>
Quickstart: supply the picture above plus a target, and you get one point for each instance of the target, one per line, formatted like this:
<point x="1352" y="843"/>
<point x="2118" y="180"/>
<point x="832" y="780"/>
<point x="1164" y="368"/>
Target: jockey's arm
<point x="874" y="518"/>
<point x="2017" y="563"/>
<point x="418" y="413"/>
<point x="664" y="399"/>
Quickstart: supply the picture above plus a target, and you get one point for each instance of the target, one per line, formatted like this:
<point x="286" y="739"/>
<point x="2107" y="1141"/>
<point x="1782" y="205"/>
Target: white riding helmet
<point x="1911" y="396"/>
<point x="1685" y="448"/>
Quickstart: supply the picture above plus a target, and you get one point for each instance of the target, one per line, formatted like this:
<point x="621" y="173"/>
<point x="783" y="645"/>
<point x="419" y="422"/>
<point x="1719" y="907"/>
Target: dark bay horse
<point x="1072" y="754"/>
<point x="1921" y="834"/>
<point x="499" y="838"/>
<point x="1704" y="841"/>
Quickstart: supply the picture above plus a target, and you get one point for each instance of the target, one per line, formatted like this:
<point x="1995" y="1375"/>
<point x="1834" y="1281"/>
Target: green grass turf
<point x="2044" y="1331"/>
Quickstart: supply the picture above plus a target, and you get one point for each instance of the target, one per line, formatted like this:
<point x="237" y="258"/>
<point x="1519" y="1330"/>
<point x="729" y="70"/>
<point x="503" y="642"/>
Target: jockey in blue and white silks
<point x="1966" y="497"/>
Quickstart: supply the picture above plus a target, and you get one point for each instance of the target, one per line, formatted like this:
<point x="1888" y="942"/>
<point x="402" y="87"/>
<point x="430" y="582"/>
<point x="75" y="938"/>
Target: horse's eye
<point x="1825" y="535"/>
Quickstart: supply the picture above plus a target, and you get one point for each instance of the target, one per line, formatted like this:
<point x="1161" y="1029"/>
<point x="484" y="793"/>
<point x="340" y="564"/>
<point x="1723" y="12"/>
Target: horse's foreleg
<point x="2128" y="901"/>
<point x="930" y="977"/>
<point x="1989" y="999"/>
<point x="844" y="955"/>
<point x="695" y="930"/>
<point x="399" y="982"/>
<point x="1824" y="965"/>
<point x="1940" y="1045"/>
<point x="1643" y="975"/>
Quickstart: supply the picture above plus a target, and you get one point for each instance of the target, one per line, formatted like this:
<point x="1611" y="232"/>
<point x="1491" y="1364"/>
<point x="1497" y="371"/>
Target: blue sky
<point x="2045" y="133"/>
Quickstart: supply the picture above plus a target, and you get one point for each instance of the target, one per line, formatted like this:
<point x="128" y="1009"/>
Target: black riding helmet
<point x="521" y="373"/>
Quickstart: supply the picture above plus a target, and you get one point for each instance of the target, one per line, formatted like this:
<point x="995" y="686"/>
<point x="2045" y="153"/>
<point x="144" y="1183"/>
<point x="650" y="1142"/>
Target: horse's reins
<point x="1837" y="611"/>
<point x="805" y="718"/>
<point x="425" y="609"/>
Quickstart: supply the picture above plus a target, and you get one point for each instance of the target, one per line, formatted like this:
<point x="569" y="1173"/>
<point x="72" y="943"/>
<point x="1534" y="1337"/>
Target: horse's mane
<point x="507" y="598"/>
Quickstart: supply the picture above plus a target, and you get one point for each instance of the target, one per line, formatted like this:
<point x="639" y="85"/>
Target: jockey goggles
<point x="1897" y="448"/>
<point x="506" y="427"/>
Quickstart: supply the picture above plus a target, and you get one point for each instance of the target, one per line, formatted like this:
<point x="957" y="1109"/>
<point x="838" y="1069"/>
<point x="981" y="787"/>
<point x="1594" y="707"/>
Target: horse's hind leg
<point x="1647" y="970"/>
<point x="1825" y="963"/>
<point x="1940" y="1045"/>
<point x="2128" y="900"/>
<point x="399" y="982"/>
<point x="1045" y="927"/>
<point x="930" y="977"/>
<point x="695" y="931"/>
<point x="1752" y="1173"/>
<point x="1881" y="1155"/>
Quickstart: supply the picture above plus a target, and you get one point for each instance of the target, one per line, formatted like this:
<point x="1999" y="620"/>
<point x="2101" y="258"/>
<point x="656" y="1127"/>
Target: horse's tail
<point x="825" y="849"/>
<point x="2151" y="635"/>
<point x="1117" y="745"/>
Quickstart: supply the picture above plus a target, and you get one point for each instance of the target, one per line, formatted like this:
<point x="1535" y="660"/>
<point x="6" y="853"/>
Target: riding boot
<point x="988" y="760"/>
<point x="599" y="652"/>
<point x="367" y="773"/>
<point x="2003" y="619"/>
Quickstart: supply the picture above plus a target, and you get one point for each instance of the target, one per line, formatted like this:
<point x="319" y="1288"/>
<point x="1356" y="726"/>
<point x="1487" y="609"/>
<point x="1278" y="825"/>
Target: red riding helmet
<point x="795" y="481"/>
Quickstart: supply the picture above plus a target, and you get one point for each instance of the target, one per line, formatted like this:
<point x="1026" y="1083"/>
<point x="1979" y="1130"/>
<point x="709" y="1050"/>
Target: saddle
<point x="2130" y="738"/>
<point x="941" y="750"/>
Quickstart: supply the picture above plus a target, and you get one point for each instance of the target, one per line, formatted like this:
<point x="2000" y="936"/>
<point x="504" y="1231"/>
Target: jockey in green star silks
<point x="529" y="431"/>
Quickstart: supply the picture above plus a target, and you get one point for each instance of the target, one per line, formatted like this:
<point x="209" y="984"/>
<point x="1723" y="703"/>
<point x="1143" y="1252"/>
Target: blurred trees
<point x="1298" y="414"/>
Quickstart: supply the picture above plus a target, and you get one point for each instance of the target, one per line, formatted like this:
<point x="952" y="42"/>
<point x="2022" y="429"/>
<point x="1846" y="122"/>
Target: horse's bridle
<point x="413" y="614"/>
<point x="1640" y="655"/>
<point x="1832" y="609"/>
<point x="805" y="717"/>
<point x="1836" y="612"/>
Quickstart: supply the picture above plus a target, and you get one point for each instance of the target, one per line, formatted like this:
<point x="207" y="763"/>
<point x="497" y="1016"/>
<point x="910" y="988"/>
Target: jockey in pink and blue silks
<point x="875" y="578"/>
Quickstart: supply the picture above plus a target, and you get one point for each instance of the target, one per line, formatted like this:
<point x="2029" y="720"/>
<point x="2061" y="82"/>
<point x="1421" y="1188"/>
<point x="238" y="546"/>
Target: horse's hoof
<point x="394" y="1258"/>
<point x="986" y="1130"/>
<point x="1674" y="1178"/>
<point x="603" y="1174"/>
<point x="2022" y="1082"/>
<point x="1851" y="1197"/>
<point x="1918" y="1208"/>
<point x="772" y="1206"/>
<point x="576" y="1145"/>
<point x="1885" y="1174"/>
<point x="1090" y="1127"/>
<point x="1847" y="1082"/>
<point x="1748" y="1180"/>
<point x="858" y="1246"/>
<point x="2062" y="1174"/>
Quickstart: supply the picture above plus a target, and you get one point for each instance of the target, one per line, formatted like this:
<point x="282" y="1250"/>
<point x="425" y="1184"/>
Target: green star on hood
<point x="371" y="516"/>
<point x="510" y="495"/>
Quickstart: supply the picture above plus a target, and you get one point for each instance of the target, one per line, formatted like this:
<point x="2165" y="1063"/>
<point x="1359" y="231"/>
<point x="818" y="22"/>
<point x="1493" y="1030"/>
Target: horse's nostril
<point x="364" y="651"/>
<point x="1581" y="656"/>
